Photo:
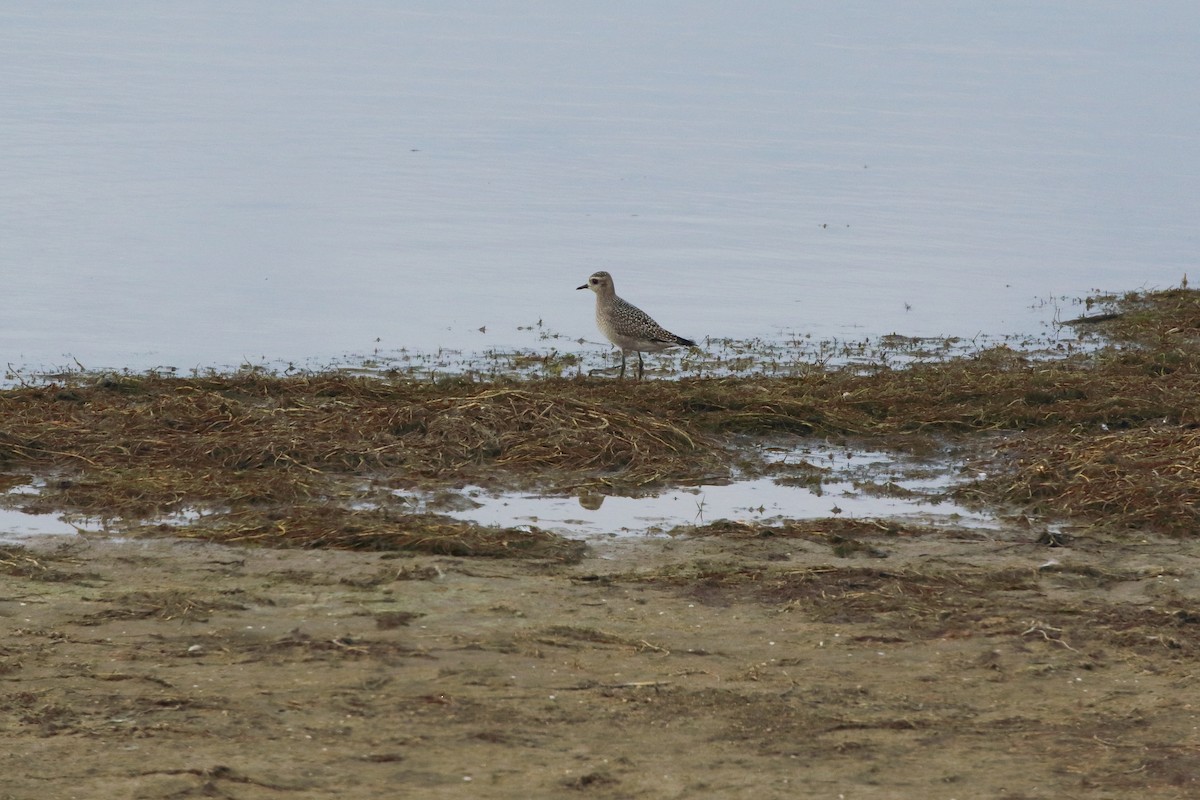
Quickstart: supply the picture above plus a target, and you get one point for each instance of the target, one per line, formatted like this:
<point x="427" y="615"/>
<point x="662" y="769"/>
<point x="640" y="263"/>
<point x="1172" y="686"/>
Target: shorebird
<point x="626" y="325"/>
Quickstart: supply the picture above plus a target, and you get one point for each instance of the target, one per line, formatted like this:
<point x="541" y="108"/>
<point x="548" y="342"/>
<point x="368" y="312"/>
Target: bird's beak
<point x="577" y="288"/>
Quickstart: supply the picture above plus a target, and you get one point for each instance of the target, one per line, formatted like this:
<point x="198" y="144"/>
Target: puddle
<point x="17" y="525"/>
<point x="817" y="482"/>
<point x="747" y="501"/>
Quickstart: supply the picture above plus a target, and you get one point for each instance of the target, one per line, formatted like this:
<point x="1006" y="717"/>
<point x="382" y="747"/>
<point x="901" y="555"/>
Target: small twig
<point x="1094" y="318"/>
<point x="627" y="685"/>
<point x="1041" y="628"/>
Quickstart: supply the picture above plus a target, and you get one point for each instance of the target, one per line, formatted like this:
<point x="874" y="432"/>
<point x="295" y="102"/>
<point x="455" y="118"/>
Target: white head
<point x="600" y="283"/>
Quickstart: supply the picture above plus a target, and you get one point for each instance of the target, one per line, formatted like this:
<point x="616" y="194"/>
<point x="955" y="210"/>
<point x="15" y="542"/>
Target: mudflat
<point x="271" y="612"/>
<point x="939" y="664"/>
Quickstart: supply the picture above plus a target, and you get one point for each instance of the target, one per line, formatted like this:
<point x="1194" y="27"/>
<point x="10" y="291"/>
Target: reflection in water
<point x="591" y="502"/>
<point x="854" y="483"/>
<point x="17" y="525"/>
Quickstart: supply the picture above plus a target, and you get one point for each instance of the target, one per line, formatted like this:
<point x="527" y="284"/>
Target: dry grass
<point x="320" y="526"/>
<point x="1146" y="477"/>
<point x="1108" y="435"/>
<point x="218" y="428"/>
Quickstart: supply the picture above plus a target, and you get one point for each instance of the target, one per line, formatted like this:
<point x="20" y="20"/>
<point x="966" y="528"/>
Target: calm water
<point x="912" y="489"/>
<point x="853" y="482"/>
<point x="198" y="184"/>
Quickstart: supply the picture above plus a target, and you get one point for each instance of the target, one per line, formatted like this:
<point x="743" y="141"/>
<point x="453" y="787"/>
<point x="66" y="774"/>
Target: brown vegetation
<point x="311" y="460"/>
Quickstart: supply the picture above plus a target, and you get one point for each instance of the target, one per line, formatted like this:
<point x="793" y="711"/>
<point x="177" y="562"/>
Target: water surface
<point x="195" y="185"/>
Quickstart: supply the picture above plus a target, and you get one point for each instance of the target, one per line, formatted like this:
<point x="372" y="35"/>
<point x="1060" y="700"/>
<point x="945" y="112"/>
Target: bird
<point x="626" y="325"/>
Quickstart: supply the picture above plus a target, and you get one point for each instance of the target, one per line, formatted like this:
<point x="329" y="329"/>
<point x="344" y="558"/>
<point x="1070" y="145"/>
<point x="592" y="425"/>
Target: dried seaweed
<point x="1107" y="434"/>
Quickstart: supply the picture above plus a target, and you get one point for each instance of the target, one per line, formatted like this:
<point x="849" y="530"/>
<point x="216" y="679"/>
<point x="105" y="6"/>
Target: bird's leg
<point x="641" y="366"/>
<point x="622" y="363"/>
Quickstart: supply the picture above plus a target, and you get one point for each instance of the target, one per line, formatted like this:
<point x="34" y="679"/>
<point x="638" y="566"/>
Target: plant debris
<point x="315" y="460"/>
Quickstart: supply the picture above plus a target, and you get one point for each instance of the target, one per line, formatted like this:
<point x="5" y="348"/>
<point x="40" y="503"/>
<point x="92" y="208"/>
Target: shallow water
<point x="843" y="482"/>
<point x="201" y="185"/>
<point x="813" y="481"/>
<point x="757" y="501"/>
<point x="16" y="525"/>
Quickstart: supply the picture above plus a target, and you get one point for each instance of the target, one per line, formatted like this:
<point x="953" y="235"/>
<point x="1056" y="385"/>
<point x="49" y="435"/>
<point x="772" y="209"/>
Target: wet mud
<point x="941" y="664"/>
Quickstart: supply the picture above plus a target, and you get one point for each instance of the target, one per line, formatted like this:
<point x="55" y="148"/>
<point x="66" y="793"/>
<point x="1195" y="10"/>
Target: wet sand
<point x="958" y="666"/>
